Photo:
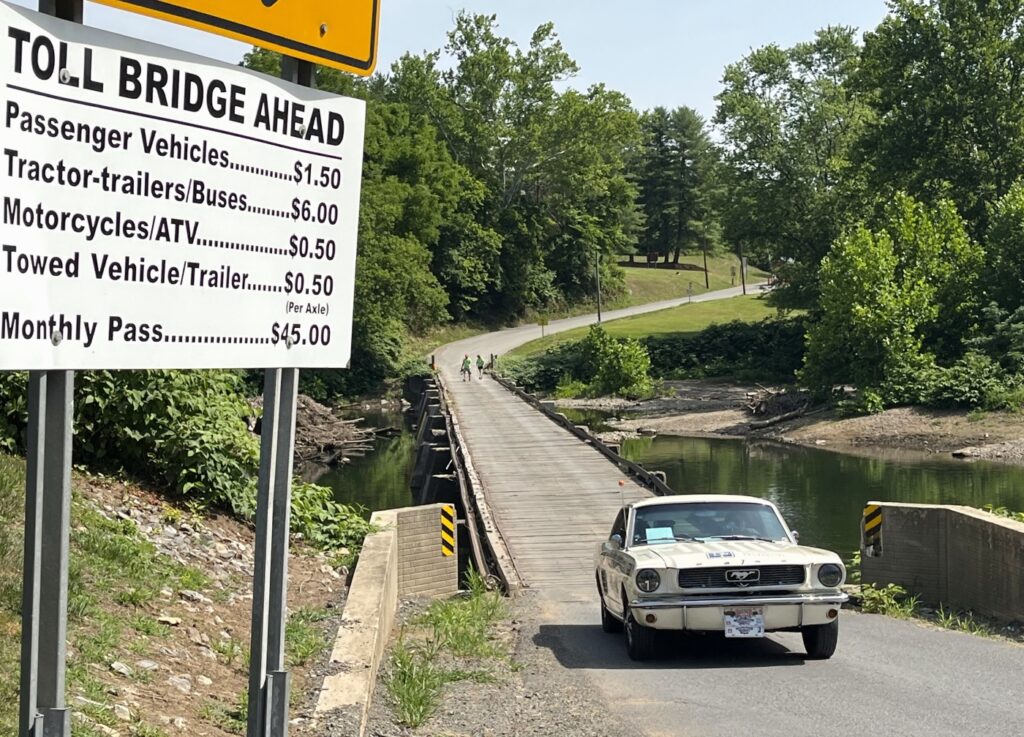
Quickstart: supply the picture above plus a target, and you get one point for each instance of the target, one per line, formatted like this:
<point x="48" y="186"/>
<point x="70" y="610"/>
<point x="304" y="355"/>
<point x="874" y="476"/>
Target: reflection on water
<point x="822" y="493"/>
<point x="595" y="419"/>
<point x="379" y="480"/>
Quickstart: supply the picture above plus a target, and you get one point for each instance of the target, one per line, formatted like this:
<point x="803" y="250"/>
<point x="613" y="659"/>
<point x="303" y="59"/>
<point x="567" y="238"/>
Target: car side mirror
<point x="614" y="543"/>
<point x="796" y="535"/>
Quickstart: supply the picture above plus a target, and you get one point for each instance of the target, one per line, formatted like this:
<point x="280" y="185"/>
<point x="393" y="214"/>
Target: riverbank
<point x="707" y="408"/>
<point x="159" y="613"/>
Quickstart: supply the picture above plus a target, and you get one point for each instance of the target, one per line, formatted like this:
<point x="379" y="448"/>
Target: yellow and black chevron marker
<point x="873" y="531"/>
<point x="447" y="530"/>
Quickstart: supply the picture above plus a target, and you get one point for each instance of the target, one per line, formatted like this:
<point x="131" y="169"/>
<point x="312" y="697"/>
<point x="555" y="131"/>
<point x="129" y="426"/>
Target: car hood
<point x="717" y="553"/>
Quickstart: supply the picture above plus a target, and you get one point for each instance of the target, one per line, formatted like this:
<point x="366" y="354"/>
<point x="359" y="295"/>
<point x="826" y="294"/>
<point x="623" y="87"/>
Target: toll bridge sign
<point x="341" y="34"/>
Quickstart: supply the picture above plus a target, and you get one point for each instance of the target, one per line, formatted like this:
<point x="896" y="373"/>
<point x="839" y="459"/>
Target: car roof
<point x="697" y="498"/>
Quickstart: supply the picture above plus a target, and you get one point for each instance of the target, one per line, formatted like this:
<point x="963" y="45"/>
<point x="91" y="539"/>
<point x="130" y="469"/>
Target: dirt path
<point x="712" y="408"/>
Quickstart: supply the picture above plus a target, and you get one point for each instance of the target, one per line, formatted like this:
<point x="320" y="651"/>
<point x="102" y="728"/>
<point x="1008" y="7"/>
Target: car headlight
<point x="830" y="575"/>
<point x="648" y="580"/>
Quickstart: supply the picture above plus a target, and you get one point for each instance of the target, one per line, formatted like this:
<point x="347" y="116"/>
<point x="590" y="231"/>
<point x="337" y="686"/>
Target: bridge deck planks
<point x="553" y="496"/>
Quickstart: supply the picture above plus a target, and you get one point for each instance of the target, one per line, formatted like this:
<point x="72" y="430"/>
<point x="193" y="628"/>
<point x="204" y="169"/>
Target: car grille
<point x="714" y="578"/>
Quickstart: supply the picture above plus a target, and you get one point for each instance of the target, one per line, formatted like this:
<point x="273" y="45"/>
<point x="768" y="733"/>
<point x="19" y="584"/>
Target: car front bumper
<point x="708" y="613"/>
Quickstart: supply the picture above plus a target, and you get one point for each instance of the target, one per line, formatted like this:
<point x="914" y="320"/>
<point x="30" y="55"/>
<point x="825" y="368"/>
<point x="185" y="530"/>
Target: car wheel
<point x="640" y="640"/>
<point x="609" y="623"/>
<point x="821" y="640"/>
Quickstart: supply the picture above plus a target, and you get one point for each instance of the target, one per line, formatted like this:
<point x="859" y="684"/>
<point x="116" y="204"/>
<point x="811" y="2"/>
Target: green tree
<point x="677" y="174"/>
<point x="943" y="78"/>
<point x="1005" y="273"/>
<point x="552" y="163"/>
<point x="789" y="121"/>
<point x="891" y="299"/>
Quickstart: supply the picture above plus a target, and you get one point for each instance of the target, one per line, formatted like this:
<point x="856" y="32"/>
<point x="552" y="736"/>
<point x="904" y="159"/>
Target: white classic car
<point x="715" y="563"/>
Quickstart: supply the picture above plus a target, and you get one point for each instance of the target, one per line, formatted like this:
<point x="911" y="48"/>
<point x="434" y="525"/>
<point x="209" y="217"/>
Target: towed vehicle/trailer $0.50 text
<point x="715" y="563"/>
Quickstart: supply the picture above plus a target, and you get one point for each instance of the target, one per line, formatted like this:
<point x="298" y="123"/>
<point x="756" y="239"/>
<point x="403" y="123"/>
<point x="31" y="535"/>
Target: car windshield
<point x="704" y="521"/>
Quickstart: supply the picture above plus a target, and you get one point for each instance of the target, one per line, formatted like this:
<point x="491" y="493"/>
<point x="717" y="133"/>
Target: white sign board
<point x="161" y="210"/>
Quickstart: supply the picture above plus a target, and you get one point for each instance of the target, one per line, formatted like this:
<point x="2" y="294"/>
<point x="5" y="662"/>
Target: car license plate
<point x="744" y="622"/>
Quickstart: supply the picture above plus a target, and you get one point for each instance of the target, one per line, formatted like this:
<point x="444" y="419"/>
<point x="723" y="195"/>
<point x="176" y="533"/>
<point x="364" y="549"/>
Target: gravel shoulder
<point x="531" y="692"/>
<point x="701" y="408"/>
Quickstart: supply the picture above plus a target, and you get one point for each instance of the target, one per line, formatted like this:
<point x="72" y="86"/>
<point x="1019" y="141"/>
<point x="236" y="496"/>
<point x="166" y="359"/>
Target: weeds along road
<point x="889" y="676"/>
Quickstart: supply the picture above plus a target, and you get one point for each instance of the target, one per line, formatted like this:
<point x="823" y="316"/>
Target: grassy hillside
<point x="688" y="318"/>
<point x="653" y="285"/>
<point x="158" y="613"/>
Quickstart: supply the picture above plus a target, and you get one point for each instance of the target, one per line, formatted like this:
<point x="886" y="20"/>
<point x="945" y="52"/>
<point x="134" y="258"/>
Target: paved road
<point x="502" y="341"/>
<point x="554" y="497"/>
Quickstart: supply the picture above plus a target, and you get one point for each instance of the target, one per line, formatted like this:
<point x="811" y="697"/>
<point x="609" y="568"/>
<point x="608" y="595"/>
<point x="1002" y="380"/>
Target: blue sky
<point x="658" y="52"/>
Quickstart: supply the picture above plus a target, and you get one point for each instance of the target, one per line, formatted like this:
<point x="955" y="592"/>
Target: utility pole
<point x="707" y="280"/>
<point x="743" y="271"/>
<point x="597" y="272"/>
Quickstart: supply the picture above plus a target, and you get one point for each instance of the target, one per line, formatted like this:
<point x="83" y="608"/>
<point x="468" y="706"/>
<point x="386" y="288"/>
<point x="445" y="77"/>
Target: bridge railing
<point x="490" y="554"/>
<point x="648" y="479"/>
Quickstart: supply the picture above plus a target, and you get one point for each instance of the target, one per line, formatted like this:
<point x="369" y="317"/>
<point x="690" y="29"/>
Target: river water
<point x="379" y="480"/>
<point x="821" y="493"/>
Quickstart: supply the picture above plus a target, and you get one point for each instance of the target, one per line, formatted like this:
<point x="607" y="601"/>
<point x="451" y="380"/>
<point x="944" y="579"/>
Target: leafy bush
<point x="597" y="365"/>
<point x="1003" y="512"/>
<point x="973" y="381"/>
<point x="891" y="600"/>
<point x="866" y="402"/>
<point x="622" y="366"/>
<point x="1002" y="337"/>
<point x="772" y="349"/>
<point x="13" y="409"/>
<point x="892" y="298"/>
<point x="325" y="523"/>
<point x="544" y="372"/>
<point x="570" y="388"/>
<point x="186" y="432"/>
<point x="183" y="430"/>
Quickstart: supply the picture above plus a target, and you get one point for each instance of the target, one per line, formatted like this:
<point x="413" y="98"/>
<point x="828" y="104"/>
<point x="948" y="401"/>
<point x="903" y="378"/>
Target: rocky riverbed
<point x="701" y="408"/>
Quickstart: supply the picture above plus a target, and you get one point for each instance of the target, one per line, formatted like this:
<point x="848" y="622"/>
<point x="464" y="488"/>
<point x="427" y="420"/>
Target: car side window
<point x="619" y="525"/>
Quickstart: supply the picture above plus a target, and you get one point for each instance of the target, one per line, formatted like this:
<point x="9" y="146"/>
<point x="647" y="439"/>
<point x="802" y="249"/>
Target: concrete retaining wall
<point x="402" y="559"/>
<point x="422" y="570"/>
<point x="960" y="557"/>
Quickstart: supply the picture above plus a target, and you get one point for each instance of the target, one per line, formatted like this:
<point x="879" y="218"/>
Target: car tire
<point x="609" y="622"/>
<point x="820" y="640"/>
<point x="640" y="640"/>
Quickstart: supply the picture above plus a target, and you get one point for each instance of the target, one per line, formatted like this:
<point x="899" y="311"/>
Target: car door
<point x="610" y="570"/>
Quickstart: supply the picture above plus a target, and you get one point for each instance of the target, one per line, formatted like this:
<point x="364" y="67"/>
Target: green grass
<point x="114" y="573"/>
<point x="962" y="622"/>
<point x="645" y="284"/>
<point x="423" y="345"/>
<point x="458" y="628"/>
<point x="231" y="718"/>
<point x="304" y="640"/>
<point x="688" y="318"/>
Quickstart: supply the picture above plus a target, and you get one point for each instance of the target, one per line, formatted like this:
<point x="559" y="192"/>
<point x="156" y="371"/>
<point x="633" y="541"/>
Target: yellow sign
<point x="338" y="33"/>
<point x="447" y="530"/>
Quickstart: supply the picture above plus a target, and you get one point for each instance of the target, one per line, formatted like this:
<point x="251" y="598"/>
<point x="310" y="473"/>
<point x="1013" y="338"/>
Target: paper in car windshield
<point x="654" y="534"/>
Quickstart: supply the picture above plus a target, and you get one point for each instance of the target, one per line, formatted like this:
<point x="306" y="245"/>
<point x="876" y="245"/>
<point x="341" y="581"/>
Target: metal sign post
<point x="44" y="618"/>
<point x="269" y="682"/>
<point x="47" y="532"/>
